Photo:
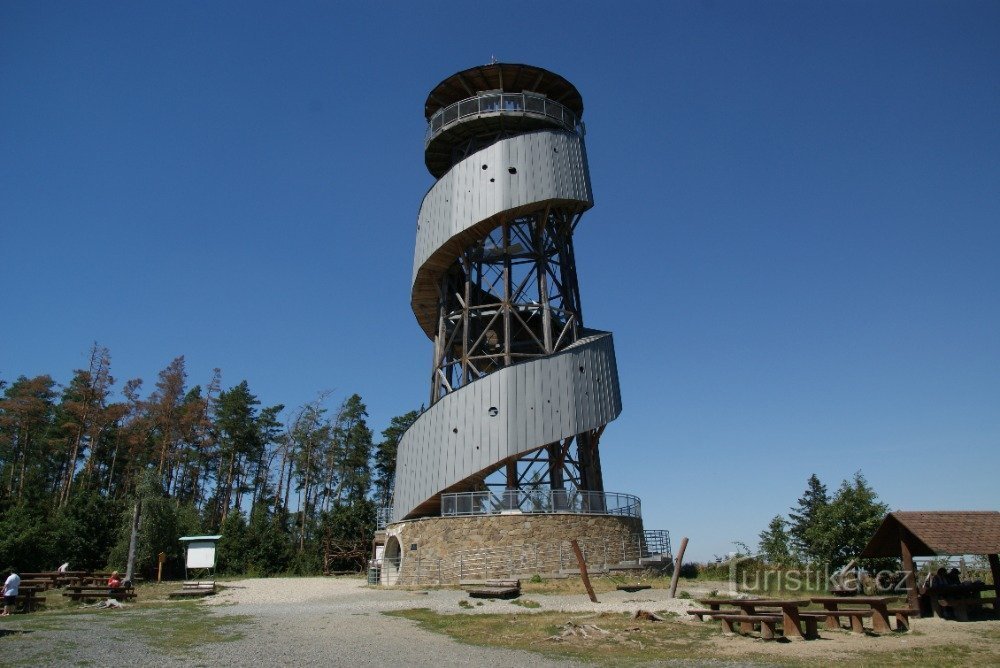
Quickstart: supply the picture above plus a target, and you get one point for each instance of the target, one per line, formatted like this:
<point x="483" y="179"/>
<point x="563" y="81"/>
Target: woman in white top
<point x="10" y="587"/>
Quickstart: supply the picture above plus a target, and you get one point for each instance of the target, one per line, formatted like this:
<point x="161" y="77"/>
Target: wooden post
<point x="677" y="566"/>
<point x="583" y="570"/>
<point x="995" y="569"/>
<point x="912" y="599"/>
<point x="159" y="568"/>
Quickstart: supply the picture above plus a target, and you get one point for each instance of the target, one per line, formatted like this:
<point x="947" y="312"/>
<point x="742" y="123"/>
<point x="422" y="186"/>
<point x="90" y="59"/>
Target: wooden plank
<point x="583" y="570"/>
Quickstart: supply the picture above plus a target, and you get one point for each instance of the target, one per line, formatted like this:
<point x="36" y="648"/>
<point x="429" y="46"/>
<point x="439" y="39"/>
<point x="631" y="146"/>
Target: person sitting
<point x="114" y="582"/>
<point x="940" y="579"/>
<point x="954" y="577"/>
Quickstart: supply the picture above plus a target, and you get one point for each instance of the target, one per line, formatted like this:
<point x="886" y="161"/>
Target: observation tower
<point x="520" y="388"/>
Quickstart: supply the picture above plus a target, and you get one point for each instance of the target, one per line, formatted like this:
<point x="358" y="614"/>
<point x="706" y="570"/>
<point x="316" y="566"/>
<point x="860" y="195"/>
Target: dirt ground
<point x="929" y="637"/>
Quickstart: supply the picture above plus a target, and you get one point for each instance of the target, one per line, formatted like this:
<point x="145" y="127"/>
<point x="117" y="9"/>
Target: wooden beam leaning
<point x="677" y="566"/>
<point x="583" y="571"/>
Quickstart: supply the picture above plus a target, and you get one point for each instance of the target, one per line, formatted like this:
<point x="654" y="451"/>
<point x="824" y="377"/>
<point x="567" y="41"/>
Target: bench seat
<point x="494" y="592"/>
<point x="767" y="623"/>
<point x="903" y="617"/>
<point x="857" y="616"/>
<point x="80" y="593"/>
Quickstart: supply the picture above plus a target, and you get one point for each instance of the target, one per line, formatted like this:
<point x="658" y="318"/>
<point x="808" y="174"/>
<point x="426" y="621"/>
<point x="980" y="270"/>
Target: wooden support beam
<point x="583" y="571"/>
<point x="995" y="569"/>
<point x="911" y="576"/>
<point x="677" y="566"/>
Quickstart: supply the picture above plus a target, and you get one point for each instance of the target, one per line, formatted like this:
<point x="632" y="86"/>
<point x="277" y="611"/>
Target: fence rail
<point x="577" y="502"/>
<point x="491" y="104"/>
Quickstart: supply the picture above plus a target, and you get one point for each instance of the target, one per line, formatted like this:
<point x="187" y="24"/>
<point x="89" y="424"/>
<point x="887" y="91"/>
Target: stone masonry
<point x="446" y="550"/>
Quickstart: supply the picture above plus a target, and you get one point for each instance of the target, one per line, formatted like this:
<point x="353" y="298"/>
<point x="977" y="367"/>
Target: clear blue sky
<point x="796" y="237"/>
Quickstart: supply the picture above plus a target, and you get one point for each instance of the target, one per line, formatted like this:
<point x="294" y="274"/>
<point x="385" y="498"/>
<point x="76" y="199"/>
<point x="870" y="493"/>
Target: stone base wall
<point x="447" y="550"/>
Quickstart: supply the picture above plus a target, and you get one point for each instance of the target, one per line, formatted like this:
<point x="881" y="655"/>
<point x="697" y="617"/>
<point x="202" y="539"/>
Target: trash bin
<point x="374" y="574"/>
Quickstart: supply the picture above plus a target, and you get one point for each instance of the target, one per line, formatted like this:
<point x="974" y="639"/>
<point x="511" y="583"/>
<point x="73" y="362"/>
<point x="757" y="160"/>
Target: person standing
<point x="10" y="588"/>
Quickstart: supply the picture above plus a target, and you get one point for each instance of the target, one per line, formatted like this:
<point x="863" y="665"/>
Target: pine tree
<point x="774" y="542"/>
<point x="844" y="526"/>
<point x="385" y="456"/>
<point x="803" y="516"/>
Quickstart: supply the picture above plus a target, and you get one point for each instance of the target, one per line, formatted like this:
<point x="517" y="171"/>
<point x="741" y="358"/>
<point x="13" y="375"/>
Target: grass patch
<point x="51" y="636"/>
<point x="623" y="645"/>
<point x="182" y="627"/>
<point x="526" y="603"/>
<point x="630" y="642"/>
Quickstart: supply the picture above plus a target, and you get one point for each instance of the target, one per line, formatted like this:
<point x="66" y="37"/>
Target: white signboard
<point x="201" y="554"/>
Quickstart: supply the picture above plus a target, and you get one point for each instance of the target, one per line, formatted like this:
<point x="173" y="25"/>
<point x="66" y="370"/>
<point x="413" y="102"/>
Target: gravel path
<point x="293" y="621"/>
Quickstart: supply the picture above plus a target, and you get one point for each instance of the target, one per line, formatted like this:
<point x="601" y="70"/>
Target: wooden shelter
<point x="937" y="533"/>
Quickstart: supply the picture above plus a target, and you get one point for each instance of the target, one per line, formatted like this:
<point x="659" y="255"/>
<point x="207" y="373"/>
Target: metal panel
<point x="584" y="404"/>
<point x="550" y="165"/>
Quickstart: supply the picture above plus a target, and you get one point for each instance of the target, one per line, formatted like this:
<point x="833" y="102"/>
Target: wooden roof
<point x="508" y="77"/>
<point x="937" y="533"/>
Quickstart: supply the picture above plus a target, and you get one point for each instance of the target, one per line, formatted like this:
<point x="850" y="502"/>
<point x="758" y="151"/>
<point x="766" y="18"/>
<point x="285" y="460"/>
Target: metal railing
<point x="383" y="517"/>
<point x="656" y="541"/>
<point x="494" y="104"/>
<point x="577" y="502"/>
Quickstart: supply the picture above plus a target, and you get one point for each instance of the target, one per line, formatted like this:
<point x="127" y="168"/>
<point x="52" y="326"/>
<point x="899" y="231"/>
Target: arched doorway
<point x="391" y="559"/>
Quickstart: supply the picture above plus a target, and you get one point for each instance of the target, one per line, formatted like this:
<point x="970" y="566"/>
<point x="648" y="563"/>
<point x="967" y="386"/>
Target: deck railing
<point x="495" y="104"/>
<point x="578" y="502"/>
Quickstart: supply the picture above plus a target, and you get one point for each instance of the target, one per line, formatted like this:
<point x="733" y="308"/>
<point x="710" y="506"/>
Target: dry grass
<point x="634" y="642"/>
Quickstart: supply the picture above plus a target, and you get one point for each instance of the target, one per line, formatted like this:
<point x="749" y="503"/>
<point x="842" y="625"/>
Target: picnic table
<point x="961" y="599"/>
<point x="859" y="607"/>
<point x="761" y="611"/>
<point x="51" y="579"/>
<point x="28" y="599"/>
<point x="81" y="592"/>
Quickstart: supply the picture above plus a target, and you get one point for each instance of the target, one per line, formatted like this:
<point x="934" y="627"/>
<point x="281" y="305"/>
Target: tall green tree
<point x="353" y="443"/>
<point x="244" y="434"/>
<point x="310" y="437"/>
<point x="844" y="526"/>
<point x="804" y="516"/>
<point x="385" y="456"/>
<point x="26" y="417"/>
<point x="774" y="541"/>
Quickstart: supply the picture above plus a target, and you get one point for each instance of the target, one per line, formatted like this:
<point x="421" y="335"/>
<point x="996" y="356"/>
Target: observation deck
<point x="473" y="108"/>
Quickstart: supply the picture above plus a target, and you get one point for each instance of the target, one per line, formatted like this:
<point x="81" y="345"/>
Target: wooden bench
<point x="633" y="588"/>
<point x="495" y="589"/>
<point x="832" y="618"/>
<point x="961" y="605"/>
<point x="903" y="617"/>
<point x="27" y="600"/>
<point x="701" y="614"/>
<point x="84" y="593"/>
<point x="195" y="589"/>
<point x="767" y="623"/>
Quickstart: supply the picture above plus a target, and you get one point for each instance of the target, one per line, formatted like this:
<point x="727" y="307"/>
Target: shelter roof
<point x="190" y="538"/>
<point x="508" y="77"/>
<point x="937" y="533"/>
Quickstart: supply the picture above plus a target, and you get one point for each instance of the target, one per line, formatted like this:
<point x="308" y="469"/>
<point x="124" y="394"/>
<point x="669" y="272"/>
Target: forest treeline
<point x="289" y="490"/>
